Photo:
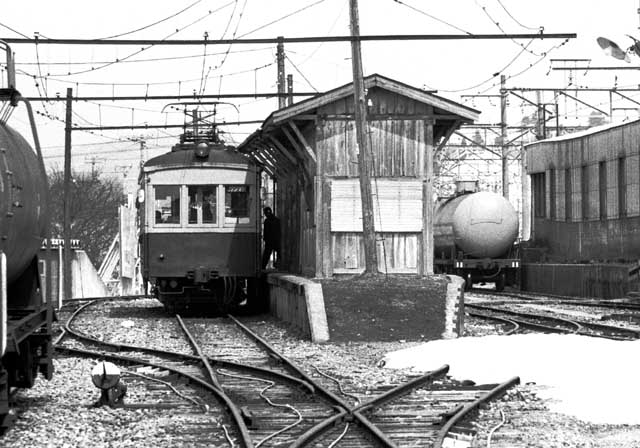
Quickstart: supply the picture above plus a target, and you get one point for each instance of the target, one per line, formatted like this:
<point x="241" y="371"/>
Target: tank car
<point x="200" y="225"/>
<point x="474" y="236"/>
<point x="25" y="316"/>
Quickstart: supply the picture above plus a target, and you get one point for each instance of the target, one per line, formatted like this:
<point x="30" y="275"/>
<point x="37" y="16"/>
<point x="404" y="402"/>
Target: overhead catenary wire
<point x="154" y="23"/>
<point x="286" y="16"/>
<point x="116" y="61"/>
<point x="432" y="16"/>
<point x="300" y="73"/>
<point x="514" y="19"/>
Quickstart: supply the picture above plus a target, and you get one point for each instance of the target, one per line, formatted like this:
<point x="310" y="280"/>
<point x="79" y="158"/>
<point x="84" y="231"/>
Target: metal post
<point x="67" y="199"/>
<point x="289" y="90"/>
<point x="368" y="231"/>
<point x="281" y="83"/>
<point x="503" y="137"/>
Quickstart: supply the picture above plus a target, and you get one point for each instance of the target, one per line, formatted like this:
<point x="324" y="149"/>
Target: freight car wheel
<point x="501" y="280"/>
<point x="468" y="284"/>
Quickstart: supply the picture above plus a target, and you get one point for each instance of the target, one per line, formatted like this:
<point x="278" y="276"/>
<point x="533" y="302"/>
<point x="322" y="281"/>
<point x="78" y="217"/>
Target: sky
<point x="453" y="68"/>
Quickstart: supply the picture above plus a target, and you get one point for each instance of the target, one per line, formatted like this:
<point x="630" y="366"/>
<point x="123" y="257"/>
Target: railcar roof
<point x="584" y="133"/>
<point x="188" y="157"/>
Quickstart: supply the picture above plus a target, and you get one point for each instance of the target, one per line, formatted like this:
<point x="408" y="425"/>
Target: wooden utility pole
<point x="503" y="137"/>
<point x="66" y="226"/>
<point x="289" y="90"/>
<point x="282" y="100"/>
<point x="364" y="162"/>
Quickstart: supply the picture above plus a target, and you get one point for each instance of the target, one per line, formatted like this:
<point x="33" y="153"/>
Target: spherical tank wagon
<point x="474" y="235"/>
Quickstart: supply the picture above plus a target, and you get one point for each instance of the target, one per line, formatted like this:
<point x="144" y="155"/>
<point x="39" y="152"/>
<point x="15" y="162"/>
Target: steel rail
<point x="357" y="412"/>
<point x="612" y="329"/>
<point x="531" y="316"/>
<point x="230" y="405"/>
<point x="108" y="298"/>
<point x="494" y="393"/>
<point x="201" y="355"/>
<point x="504" y="320"/>
<point x="259" y="371"/>
<point x="341" y="404"/>
<point x="402" y="389"/>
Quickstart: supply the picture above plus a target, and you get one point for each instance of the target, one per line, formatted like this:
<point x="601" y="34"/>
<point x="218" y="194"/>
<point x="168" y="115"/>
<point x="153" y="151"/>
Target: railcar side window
<point x="167" y="204"/>
<point x="236" y="202"/>
<point x="203" y="204"/>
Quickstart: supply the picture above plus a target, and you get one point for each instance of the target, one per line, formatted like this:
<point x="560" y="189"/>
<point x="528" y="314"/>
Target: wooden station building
<point x="310" y="149"/>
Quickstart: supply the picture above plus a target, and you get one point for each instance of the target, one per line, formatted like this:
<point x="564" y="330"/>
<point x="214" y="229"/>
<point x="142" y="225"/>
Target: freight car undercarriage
<point x="501" y="271"/>
<point x="28" y="352"/>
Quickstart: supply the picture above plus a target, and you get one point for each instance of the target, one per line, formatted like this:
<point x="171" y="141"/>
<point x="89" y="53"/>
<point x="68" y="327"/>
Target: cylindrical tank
<point x="23" y="201"/>
<point x="482" y="225"/>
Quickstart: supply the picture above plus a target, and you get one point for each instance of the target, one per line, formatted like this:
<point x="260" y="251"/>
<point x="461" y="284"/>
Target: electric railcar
<point x="199" y="215"/>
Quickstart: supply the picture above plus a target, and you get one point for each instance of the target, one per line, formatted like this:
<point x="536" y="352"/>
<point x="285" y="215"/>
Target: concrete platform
<point x="369" y="309"/>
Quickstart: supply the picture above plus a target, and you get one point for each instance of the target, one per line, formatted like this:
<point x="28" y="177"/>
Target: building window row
<point x="609" y="192"/>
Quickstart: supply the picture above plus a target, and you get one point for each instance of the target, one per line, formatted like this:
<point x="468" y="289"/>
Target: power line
<point x="291" y="40"/>
<point x="514" y="19"/>
<point x="301" y="74"/>
<point x="154" y="23"/>
<point x="172" y="97"/>
<point x="282" y="18"/>
<point x="432" y="17"/>
<point x="158" y="126"/>
<point x="132" y="61"/>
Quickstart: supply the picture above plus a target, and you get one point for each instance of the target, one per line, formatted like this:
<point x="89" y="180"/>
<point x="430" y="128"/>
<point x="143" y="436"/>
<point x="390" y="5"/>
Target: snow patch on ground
<point x="593" y="379"/>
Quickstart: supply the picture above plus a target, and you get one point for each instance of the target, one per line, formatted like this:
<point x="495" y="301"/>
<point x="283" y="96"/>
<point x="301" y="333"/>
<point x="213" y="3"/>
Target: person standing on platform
<point x="271" y="237"/>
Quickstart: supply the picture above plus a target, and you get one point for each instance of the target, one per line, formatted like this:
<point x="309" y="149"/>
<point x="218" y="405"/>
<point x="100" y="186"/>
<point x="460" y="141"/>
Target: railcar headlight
<point x="140" y="196"/>
<point x="202" y="150"/>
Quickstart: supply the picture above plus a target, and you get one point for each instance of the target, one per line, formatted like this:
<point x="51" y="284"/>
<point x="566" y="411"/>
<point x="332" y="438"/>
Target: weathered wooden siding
<point x="397" y="252"/>
<point x="396" y="145"/>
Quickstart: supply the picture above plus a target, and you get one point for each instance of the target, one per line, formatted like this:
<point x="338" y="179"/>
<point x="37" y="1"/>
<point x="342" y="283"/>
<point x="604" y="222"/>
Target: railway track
<point x="556" y="314"/>
<point x="255" y="396"/>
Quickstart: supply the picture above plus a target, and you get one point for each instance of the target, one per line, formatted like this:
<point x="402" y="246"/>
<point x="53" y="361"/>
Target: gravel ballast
<point x="59" y="413"/>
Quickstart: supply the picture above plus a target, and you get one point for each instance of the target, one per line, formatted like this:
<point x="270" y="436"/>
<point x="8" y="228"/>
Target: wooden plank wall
<point x="396" y="145"/>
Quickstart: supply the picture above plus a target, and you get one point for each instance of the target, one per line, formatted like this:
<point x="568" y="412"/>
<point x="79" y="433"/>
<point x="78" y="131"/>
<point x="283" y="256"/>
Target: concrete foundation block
<point x="299" y="302"/>
<point x="454" y="308"/>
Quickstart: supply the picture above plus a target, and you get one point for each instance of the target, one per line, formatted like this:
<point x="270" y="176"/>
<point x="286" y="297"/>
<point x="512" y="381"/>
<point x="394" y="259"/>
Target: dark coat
<point x="271" y="233"/>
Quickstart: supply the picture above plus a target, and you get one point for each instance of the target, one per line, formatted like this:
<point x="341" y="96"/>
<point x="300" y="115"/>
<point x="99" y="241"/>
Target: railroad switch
<point x="106" y="377"/>
<point x="249" y="418"/>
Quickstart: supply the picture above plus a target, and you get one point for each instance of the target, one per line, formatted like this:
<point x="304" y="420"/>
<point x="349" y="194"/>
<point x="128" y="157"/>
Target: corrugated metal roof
<point x="583" y="133"/>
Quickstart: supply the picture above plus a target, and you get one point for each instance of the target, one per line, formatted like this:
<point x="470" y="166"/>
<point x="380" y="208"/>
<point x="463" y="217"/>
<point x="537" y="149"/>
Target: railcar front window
<point x="203" y="204"/>
<point x="236" y="202"/>
<point x="167" y="204"/>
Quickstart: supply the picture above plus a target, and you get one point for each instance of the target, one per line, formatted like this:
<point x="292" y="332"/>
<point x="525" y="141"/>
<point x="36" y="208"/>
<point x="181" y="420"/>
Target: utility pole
<point x="281" y="82"/>
<point x="66" y="227"/>
<point x="364" y="162"/>
<point x="143" y="145"/>
<point x="289" y="90"/>
<point x="503" y="137"/>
